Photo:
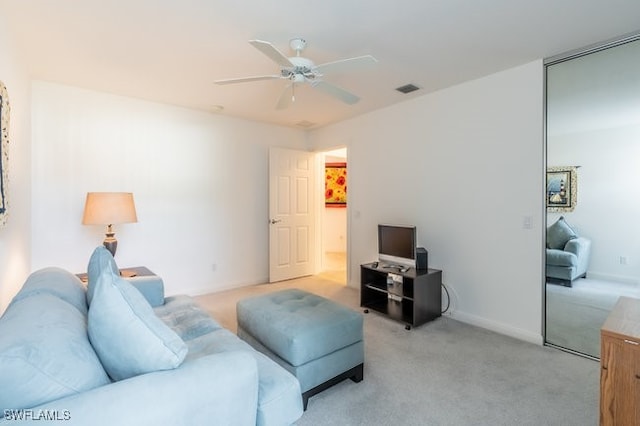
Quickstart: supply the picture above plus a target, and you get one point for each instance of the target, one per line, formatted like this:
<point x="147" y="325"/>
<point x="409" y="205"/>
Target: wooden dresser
<point x="620" y="365"/>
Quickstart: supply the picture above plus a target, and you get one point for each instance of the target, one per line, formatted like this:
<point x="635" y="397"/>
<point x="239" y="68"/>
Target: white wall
<point x="608" y="205"/>
<point x="465" y="165"/>
<point x="335" y="230"/>
<point x="14" y="237"/>
<point x="199" y="182"/>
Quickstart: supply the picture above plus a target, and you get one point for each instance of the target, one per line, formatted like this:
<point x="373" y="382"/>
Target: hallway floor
<point x="334" y="267"/>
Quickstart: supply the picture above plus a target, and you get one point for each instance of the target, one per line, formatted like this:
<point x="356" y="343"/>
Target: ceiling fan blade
<point x="351" y="64"/>
<point x="285" y="98"/>
<point x="247" y="79"/>
<point x="336" y="92"/>
<point x="274" y="54"/>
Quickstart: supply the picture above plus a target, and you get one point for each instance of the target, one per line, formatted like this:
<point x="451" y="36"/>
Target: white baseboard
<point x="207" y="290"/>
<point x="615" y="278"/>
<point x="498" y="327"/>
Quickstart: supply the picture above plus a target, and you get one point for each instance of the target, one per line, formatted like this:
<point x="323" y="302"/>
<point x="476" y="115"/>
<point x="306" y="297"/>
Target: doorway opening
<point x="333" y="217"/>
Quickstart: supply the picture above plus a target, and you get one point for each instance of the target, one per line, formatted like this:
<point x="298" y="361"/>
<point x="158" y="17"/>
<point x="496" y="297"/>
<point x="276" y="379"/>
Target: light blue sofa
<point x="63" y="359"/>
<point x="567" y="254"/>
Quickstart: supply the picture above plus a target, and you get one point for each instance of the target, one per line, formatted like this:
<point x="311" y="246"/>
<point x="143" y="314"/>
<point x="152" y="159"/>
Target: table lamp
<point x="109" y="208"/>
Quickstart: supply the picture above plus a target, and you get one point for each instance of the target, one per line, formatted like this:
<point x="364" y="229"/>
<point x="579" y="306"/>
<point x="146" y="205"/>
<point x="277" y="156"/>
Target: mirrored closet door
<point x="592" y="192"/>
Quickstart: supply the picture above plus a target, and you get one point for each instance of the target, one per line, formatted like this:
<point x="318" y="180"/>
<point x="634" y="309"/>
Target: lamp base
<point x="111" y="243"/>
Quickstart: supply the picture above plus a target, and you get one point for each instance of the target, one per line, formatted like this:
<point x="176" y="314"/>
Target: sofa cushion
<point x="100" y="260"/>
<point x="45" y="353"/>
<point x="279" y="394"/>
<point x="125" y="332"/>
<point x="56" y="282"/>
<point x="184" y="317"/>
<point x="559" y="234"/>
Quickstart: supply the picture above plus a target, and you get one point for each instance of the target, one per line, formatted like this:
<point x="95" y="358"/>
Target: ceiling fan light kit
<point x="299" y="70"/>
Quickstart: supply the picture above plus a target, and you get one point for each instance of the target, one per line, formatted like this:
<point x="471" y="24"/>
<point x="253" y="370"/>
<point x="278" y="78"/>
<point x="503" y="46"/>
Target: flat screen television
<point x="397" y="245"/>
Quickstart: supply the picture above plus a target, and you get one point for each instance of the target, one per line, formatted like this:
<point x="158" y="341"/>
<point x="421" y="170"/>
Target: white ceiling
<point x="171" y="51"/>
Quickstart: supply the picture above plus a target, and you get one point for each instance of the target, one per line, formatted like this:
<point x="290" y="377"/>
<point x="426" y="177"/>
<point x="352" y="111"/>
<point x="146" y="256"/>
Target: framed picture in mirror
<point x="562" y="186"/>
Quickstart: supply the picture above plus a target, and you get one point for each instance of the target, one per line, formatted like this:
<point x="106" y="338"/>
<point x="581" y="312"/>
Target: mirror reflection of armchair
<point x="567" y="254"/>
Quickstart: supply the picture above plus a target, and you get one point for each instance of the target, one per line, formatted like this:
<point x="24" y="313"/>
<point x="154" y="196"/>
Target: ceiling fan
<point x="300" y="70"/>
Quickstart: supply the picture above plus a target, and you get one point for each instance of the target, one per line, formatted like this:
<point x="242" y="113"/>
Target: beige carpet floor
<point x="442" y="373"/>
<point x="576" y="314"/>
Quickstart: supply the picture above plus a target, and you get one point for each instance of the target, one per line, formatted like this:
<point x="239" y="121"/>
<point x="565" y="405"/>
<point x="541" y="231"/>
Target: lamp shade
<point x="109" y="208"/>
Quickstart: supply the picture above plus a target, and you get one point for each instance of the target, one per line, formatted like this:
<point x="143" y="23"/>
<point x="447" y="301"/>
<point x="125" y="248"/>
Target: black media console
<point x="412" y="297"/>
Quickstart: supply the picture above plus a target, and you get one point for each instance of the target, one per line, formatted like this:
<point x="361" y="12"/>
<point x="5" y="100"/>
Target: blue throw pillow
<point x="125" y="332"/>
<point x="100" y="260"/>
<point x="559" y="234"/>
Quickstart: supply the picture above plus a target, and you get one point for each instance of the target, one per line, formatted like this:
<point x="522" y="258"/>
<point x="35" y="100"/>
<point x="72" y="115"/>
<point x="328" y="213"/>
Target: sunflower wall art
<point x="335" y="185"/>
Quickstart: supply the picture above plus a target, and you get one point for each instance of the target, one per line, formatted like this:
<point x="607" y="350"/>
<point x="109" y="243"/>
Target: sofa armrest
<point x="219" y="389"/>
<point x="561" y="258"/>
<point x="151" y="287"/>
<point x="581" y="247"/>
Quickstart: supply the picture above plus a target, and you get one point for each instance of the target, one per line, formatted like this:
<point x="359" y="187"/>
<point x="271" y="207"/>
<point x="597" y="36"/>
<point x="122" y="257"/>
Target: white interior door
<point x="291" y="211"/>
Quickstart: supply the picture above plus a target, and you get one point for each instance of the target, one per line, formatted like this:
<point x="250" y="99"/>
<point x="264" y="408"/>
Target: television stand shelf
<point x="413" y="301"/>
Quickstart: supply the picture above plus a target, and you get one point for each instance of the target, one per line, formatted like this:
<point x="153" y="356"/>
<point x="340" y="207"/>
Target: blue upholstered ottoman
<point x="317" y="340"/>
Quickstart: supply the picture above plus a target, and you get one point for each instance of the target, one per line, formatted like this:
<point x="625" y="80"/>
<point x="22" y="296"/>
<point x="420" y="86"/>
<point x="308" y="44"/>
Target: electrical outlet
<point x="623" y="260"/>
<point x="214" y="267"/>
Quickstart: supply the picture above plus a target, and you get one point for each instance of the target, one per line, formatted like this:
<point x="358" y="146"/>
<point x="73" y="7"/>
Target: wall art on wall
<point x="562" y="189"/>
<point x="335" y="185"/>
<point x="4" y="152"/>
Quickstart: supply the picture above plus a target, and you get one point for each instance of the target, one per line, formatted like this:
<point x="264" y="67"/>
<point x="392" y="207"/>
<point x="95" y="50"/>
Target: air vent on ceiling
<point x="407" y="88"/>
<point x="305" y="123"/>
